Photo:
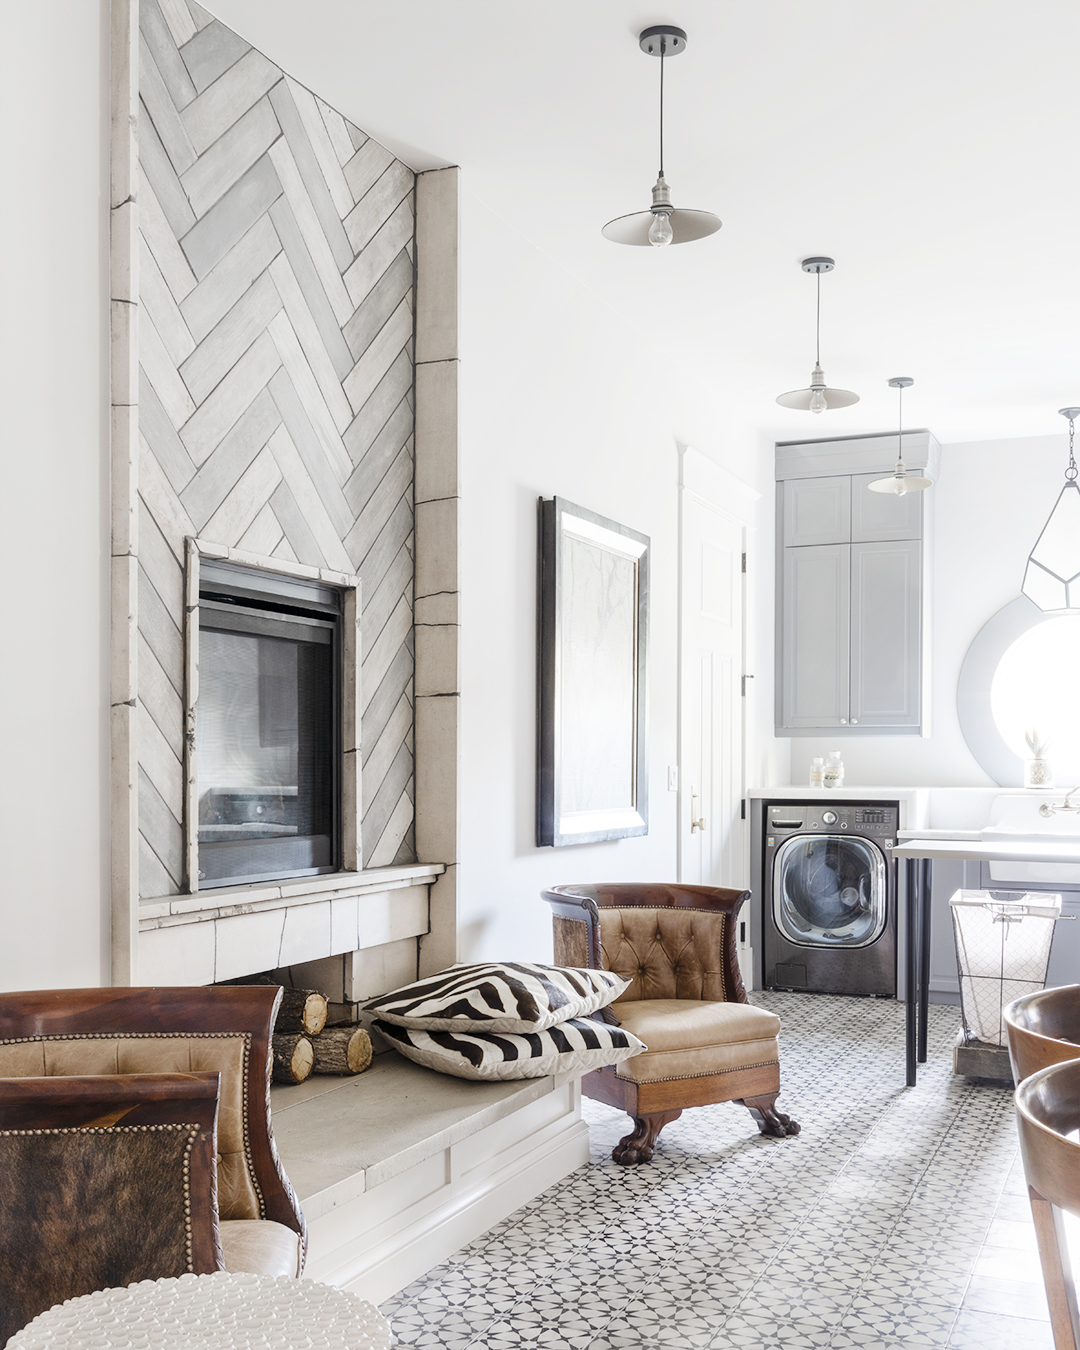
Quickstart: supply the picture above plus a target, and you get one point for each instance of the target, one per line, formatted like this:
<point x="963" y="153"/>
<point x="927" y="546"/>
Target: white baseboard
<point x="389" y="1236"/>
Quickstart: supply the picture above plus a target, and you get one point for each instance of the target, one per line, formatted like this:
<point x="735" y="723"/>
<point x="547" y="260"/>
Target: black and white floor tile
<point x="898" y="1218"/>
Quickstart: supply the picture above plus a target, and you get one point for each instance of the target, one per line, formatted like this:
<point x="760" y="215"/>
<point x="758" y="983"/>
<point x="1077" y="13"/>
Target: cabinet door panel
<point x="880" y="515"/>
<point x="817" y="511"/>
<point x="815" y="636"/>
<point x="886" y="597"/>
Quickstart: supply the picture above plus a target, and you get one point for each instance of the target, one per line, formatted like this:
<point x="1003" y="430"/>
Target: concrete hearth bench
<point x="400" y="1166"/>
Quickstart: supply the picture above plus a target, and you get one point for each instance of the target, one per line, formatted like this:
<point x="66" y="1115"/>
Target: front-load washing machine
<point x="830" y="897"/>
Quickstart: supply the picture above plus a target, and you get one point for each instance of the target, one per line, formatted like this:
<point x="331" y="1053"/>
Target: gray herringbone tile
<point x="275" y="399"/>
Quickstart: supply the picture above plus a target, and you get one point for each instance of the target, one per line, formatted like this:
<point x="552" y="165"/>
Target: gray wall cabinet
<point x="851" y="606"/>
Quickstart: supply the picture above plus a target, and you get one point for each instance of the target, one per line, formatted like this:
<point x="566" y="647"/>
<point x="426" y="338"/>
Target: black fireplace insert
<point x="267" y="726"/>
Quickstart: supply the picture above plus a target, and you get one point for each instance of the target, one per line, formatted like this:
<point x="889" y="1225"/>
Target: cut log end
<point x="342" y="1050"/>
<point x="302" y="1011"/>
<point x="293" y="1058"/>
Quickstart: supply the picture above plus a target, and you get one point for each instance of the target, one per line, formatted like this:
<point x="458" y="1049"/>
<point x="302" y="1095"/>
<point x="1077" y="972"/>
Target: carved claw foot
<point x="771" y="1122"/>
<point x="638" y="1146"/>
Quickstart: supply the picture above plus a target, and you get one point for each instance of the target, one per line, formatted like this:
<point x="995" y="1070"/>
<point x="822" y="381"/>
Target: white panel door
<point x="711" y="832"/>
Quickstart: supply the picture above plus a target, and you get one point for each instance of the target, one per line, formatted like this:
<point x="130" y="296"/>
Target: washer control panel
<point x="875" y="820"/>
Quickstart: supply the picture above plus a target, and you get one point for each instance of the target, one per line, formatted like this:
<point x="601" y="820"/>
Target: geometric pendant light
<point x="818" y="397"/>
<point x="1052" y="575"/>
<point x="662" y="224"/>
<point x="900" y="481"/>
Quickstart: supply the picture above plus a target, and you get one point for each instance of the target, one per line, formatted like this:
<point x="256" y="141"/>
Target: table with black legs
<point x="918" y="856"/>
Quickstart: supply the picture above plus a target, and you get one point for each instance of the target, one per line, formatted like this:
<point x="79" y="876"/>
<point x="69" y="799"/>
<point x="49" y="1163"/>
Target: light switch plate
<point x="673" y="778"/>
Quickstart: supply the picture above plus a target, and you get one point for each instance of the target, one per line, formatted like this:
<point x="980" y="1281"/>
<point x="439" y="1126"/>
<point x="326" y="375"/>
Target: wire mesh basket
<point x="1002" y="951"/>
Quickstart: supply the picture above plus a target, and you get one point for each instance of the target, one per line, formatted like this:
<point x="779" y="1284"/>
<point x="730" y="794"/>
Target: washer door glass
<point x="829" y="890"/>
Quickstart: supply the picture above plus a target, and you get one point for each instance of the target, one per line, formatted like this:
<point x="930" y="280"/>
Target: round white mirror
<point x="1021" y="673"/>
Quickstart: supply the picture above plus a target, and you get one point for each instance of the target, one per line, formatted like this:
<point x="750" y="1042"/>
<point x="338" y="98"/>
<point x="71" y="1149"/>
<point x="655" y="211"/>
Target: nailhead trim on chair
<point x="192" y="1131"/>
<point x="713" y="1073"/>
<point x="245" y="1036"/>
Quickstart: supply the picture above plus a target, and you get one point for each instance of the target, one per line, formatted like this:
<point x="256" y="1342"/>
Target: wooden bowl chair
<point x="135" y="1142"/>
<point x="686" y="1001"/>
<point x="1047" y="1112"/>
<point x="1043" y="1029"/>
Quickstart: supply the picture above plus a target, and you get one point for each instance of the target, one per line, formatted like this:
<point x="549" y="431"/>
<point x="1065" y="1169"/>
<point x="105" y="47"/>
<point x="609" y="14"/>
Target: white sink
<point x="1016" y="820"/>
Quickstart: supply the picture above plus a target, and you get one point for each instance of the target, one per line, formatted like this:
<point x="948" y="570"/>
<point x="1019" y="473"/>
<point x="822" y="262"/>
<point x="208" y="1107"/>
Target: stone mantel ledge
<point x="169" y="911"/>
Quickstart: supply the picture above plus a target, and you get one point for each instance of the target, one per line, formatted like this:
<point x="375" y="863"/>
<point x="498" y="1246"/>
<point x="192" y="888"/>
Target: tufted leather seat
<point x="690" y="1038"/>
<point x="706" y="1042"/>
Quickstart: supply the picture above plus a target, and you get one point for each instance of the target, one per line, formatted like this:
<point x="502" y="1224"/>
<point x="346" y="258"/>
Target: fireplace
<point x="267" y="727"/>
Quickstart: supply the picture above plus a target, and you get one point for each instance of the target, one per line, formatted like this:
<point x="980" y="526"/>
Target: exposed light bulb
<point x="818" y="402"/>
<point x="660" y="231"/>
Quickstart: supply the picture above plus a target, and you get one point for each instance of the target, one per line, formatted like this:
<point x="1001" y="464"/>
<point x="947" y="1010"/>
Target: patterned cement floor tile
<point x="863" y="1231"/>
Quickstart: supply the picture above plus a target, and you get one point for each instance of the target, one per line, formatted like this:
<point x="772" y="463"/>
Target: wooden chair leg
<point x="1057" y="1272"/>
<point x="637" y="1147"/>
<point x="769" y="1120"/>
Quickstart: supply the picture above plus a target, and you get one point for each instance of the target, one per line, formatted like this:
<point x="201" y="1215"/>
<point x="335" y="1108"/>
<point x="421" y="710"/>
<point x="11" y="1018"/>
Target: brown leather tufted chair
<point x="98" y="1075"/>
<point x="686" y="1001"/>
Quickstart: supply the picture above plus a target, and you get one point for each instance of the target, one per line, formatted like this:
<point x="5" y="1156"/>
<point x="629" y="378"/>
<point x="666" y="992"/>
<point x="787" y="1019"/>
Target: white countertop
<point x="941" y="844"/>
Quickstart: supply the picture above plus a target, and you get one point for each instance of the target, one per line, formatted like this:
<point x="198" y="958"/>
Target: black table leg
<point x="924" y="956"/>
<point x="911" y="905"/>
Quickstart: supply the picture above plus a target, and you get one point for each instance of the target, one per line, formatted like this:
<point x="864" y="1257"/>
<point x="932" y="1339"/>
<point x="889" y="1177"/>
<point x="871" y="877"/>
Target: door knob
<point x="695" y="822"/>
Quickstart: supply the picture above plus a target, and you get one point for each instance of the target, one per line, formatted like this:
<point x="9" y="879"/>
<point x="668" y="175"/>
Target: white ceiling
<point x="930" y="146"/>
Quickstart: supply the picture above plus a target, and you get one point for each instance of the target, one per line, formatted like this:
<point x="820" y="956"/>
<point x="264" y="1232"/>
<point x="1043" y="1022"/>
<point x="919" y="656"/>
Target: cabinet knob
<point x="854" y="721"/>
<point x="843" y="721"/>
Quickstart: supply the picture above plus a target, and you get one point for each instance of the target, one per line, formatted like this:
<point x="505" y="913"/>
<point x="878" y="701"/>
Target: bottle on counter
<point x="817" y="772"/>
<point x="834" y="770"/>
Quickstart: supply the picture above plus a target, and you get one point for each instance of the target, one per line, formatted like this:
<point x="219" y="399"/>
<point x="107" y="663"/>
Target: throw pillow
<point x="514" y="996"/>
<point x="577" y="1046"/>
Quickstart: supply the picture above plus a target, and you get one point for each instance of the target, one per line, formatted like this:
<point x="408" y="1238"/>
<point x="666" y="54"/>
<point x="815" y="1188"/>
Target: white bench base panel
<point x="377" y="1243"/>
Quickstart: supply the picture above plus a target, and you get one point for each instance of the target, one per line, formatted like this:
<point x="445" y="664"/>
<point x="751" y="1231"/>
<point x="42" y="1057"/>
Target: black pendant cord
<point x="663" y="48"/>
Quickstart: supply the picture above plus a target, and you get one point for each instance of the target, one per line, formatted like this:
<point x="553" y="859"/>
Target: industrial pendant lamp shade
<point x="1052" y="575"/>
<point x="819" y="397"/>
<point x="662" y="224"/>
<point x="900" y="481"/>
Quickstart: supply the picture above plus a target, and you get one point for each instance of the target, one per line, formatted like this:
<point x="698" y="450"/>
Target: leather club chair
<point x="686" y="1001"/>
<point x="135" y="1142"/>
<point x="1043" y="1029"/>
<point x="1047" y="1113"/>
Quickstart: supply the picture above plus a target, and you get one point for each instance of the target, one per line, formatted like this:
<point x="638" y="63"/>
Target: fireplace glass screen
<point x="266" y="730"/>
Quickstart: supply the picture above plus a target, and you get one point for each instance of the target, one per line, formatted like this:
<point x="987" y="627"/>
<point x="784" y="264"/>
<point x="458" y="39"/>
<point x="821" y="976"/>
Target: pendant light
<point x="1052" y="575"/>
<point x="818" y="397"/>
<point x="662" y="224"/>
<point x="900" y="481"/>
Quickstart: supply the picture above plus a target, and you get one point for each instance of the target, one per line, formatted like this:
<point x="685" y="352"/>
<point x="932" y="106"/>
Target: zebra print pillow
<point x="577" y="1046"/>
<point x="502" y="996"/>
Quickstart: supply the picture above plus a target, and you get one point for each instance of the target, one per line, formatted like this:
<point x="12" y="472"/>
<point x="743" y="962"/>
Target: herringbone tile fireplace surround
<point x="264" y="267"/>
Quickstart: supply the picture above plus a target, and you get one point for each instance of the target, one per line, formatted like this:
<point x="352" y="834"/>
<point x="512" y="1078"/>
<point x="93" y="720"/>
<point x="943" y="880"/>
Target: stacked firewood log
<point x="304" y="1044"/>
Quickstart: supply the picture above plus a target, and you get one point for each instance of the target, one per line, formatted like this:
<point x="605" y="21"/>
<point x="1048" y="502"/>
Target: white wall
<point x="53" y="499"/>
<point x="990" y="502"/>
<point x="560" y="395"/>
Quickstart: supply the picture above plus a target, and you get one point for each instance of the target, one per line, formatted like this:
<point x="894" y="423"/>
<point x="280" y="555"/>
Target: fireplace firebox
<point x="267" y="726"/>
